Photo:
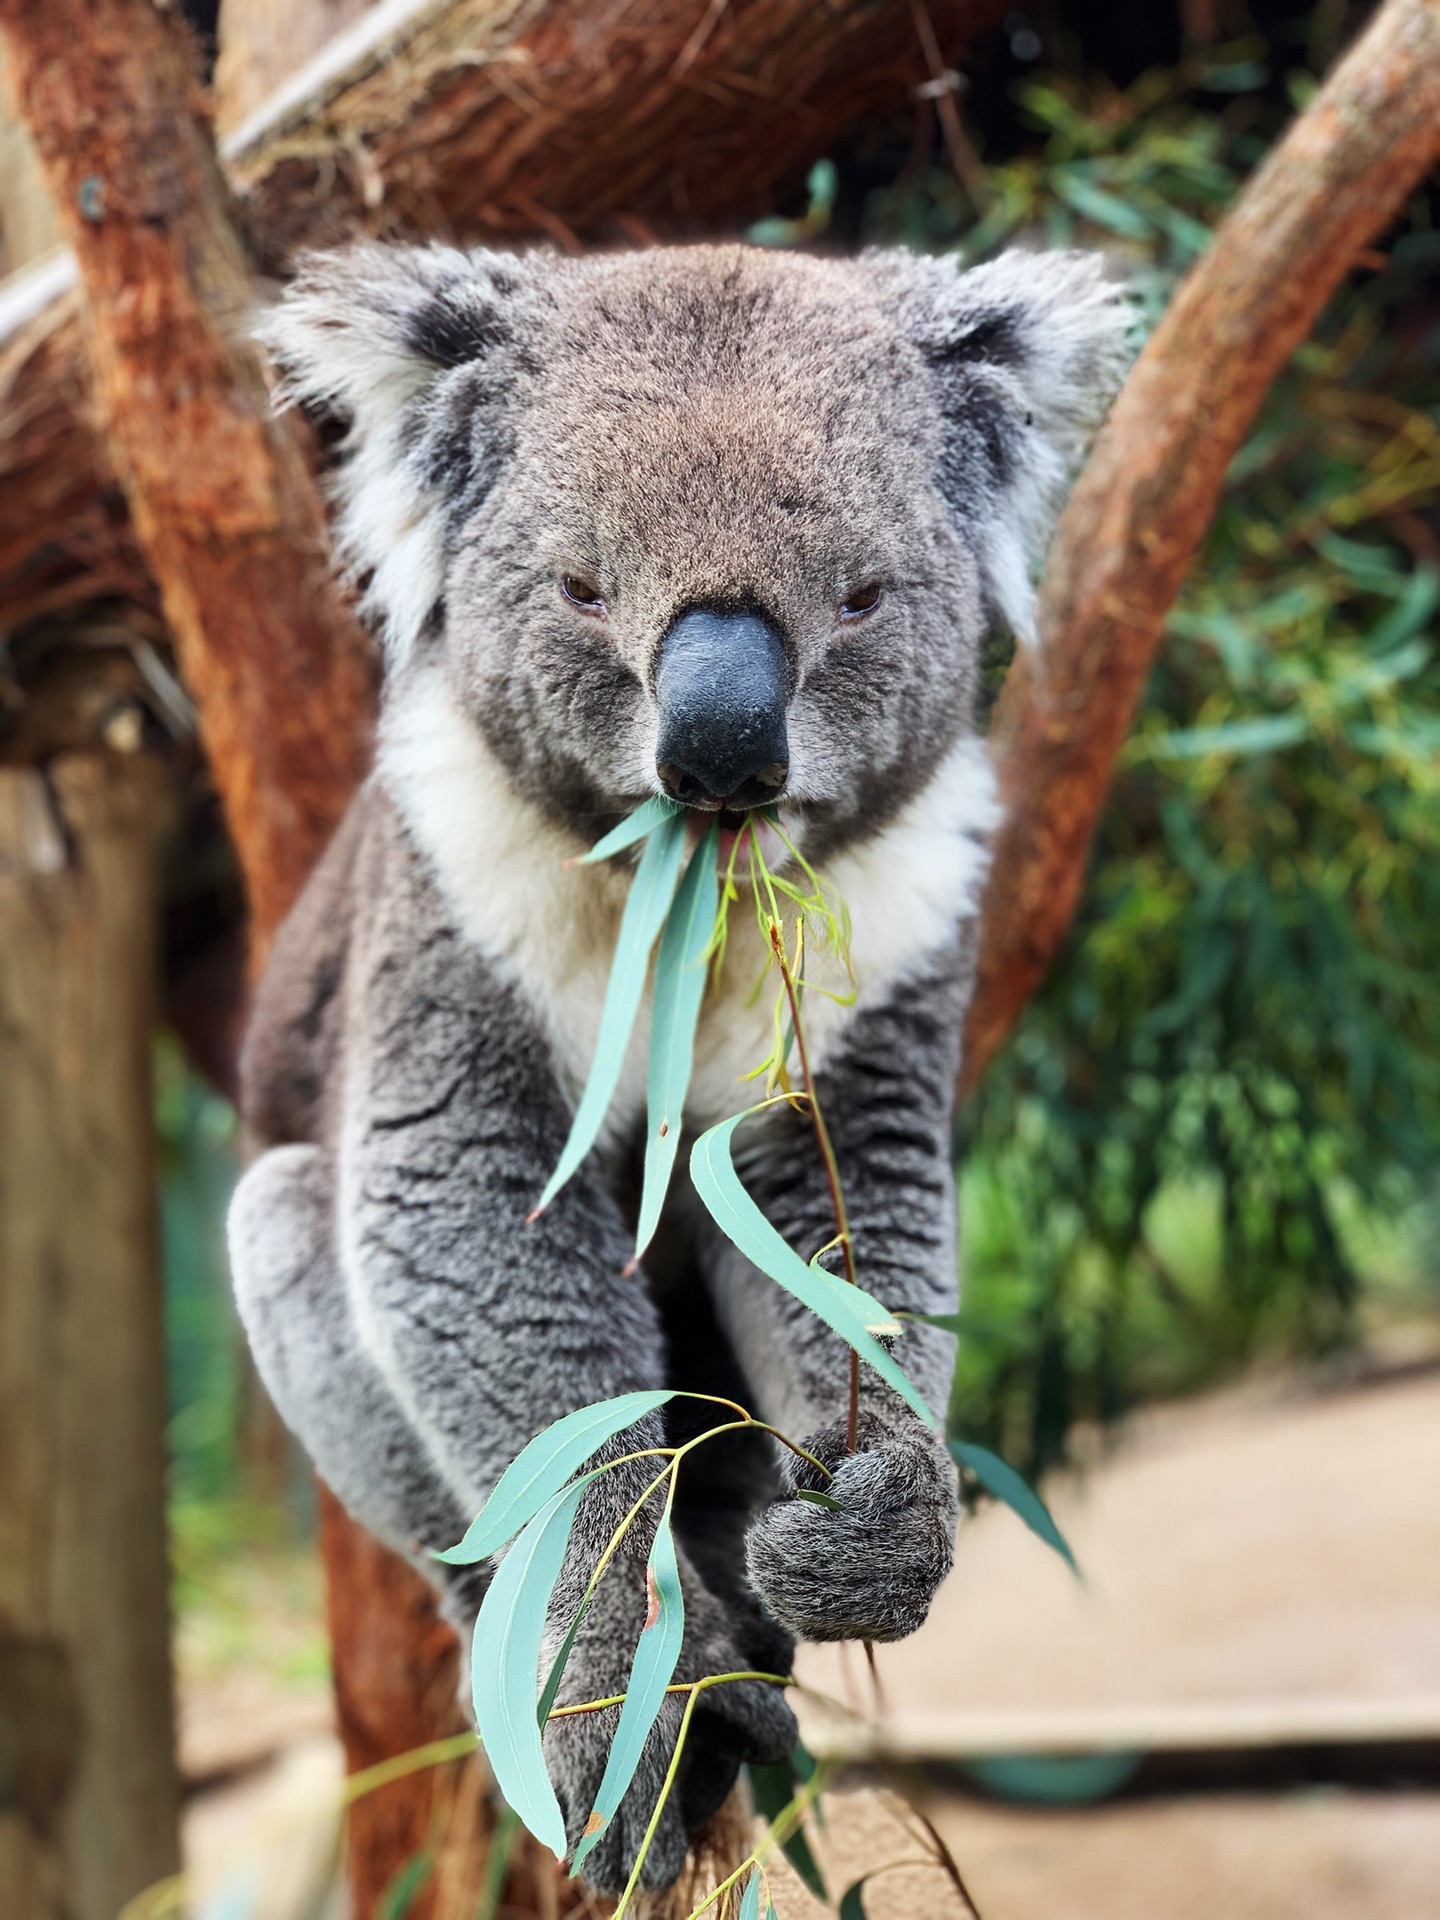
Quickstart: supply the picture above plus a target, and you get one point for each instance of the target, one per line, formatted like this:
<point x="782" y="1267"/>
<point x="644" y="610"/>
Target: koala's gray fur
<point x="716" y="427"/>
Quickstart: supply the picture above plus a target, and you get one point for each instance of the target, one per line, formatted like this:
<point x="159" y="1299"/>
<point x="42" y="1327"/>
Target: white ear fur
<point x="1044" y="340"/>
<point x="363" y="334"/>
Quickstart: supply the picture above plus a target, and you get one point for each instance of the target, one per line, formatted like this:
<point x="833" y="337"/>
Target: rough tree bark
<point x="226" y="510"/>
<point x="222" y="496"/>
<point x="89" y="1800"/>
<point x="506" y="119"/>
<point x="1149" y="491"/>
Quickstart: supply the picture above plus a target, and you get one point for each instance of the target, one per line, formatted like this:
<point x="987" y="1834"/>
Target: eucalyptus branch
<point x="827" y="1155"/>
<point x="679" y="1686"/>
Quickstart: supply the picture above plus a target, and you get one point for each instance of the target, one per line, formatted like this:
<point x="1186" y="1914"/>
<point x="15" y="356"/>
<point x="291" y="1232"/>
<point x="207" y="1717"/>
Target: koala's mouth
<point x="735" y="822"/>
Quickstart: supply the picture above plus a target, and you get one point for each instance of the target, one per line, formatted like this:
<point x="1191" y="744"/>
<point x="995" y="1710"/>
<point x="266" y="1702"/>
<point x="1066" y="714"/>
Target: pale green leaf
<point x="505" y="1666"/>
<point x="1094" y="203"/>
<point x="544" y="1466"/>
<point x="750" y="1905"/>
<point x="656" y="1656"/>
<point x="847" y="1310"/>
<point x="635" y="826"/>
<point x="1006" y="1484"/>
<point x="651" y="892"/>
<point x="1238" y="739"/>
<point x="679" y="989"/>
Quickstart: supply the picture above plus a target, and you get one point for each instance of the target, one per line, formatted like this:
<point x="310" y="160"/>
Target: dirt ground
<point x="1260" y="1566"/>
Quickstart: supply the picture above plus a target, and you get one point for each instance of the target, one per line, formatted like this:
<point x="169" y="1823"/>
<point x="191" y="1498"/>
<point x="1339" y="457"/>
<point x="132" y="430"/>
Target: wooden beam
<point x="502" y="120"/>
<point x="1149" y="492"/>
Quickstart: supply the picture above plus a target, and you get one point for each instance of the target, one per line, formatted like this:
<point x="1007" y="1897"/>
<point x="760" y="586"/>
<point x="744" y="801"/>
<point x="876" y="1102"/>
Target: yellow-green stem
<point x="832" y="1168"/>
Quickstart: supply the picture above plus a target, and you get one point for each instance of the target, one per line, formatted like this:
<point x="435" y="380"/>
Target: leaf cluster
<point x="1244" y="1026"/>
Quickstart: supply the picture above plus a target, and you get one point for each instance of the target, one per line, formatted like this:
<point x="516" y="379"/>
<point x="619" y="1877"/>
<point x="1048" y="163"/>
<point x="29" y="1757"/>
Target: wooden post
<point x="89" y="1815"/>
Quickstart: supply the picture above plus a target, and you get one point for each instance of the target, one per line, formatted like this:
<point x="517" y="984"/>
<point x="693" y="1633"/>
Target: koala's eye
<point x="581" y="593"/>
<point x="862" y="601"/>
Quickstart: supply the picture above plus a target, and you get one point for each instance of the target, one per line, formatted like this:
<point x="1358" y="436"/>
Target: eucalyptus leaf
<point x="852" y="1906"/>
<point x="1240" y="739"/>
<point x="635" y="826"/>
<point x="544" y="1466"/>
<point x="750" y="1904"/>
<point x="847" y="1310"/>
<point x="656" y="1656"/>
<point x="679" y="989"/>
<point x="505" y="1666"/>
<point x="817" y="1499"/>
<point x="772" y="1788"/>
<point x="1000" y="1479"/>
<point x="551" y="1689"/>
<point x="406" y="1887"/>
<point x="1094" y="203"/>
<point x="651" y="892"/>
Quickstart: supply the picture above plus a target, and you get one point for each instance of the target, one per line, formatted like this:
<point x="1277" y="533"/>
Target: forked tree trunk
<point x="88" y="1794"/>
<point x="227" y="512"/>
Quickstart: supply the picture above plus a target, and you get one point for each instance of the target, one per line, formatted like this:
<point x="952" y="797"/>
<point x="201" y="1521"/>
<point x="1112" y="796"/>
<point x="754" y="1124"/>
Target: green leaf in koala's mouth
<point x="679" y="989"/>
<point x="646" y="817"/>
<point x="651" y="892"/>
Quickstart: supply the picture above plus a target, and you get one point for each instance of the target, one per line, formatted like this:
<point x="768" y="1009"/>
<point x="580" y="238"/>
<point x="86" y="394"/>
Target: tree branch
<point x="485" y="119"/>
<point x="1149" y="492"/>
<point x="225" y="509"/>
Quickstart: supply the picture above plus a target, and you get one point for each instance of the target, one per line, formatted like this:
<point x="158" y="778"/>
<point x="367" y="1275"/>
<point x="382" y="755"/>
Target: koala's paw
<point x="740" y="1721"/>
<point x="869" y="1571"/>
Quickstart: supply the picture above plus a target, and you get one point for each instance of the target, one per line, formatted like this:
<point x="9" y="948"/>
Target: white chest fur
<point x="550" y="928"/>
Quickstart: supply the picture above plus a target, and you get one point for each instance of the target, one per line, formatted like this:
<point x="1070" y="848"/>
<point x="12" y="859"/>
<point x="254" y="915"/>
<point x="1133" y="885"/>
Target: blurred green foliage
<point x="197" y="1166"/>
<point x="1235" y="1066"/>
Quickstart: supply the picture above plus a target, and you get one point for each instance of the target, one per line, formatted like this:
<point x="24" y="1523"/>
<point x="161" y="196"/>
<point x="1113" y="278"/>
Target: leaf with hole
<point x="679" y="989"/>
<point x="847" y="1310"/>
<point x="505" y="1665"/>
<point x="1000" y="1479"/>
<point x="544" y="1466"/>
<point x="646" y="817"/>
<point x="651" y="892"/>
<point x="656" y="1656"/>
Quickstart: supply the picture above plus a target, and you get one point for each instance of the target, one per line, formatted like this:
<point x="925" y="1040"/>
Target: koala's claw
<point x="739" y="1721"/>
<point x="870" y="1570"/>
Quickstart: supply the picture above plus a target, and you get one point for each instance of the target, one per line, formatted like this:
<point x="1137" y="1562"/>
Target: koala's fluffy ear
<point x="414" y="348"/>
<point x="1028" y="352"/>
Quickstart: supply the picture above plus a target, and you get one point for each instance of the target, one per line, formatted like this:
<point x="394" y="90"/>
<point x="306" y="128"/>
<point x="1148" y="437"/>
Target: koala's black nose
<point x="722" y="685"/>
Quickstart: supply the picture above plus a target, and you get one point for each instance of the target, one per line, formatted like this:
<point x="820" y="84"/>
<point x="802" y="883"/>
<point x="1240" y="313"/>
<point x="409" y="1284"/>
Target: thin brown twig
<point x="943" y="85"/>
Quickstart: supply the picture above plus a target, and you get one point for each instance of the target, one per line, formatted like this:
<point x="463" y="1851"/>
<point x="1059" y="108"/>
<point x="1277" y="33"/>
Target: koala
<point x="730" y="525"/>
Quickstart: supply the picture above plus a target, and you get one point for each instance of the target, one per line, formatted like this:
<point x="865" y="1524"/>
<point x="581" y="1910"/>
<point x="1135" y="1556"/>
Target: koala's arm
<point x="442" y="1115"/>
<point x="887" y="1092"/>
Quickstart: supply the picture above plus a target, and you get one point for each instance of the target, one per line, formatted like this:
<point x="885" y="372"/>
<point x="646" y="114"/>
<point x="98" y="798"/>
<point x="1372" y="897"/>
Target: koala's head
<point x="710" y="520"/>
